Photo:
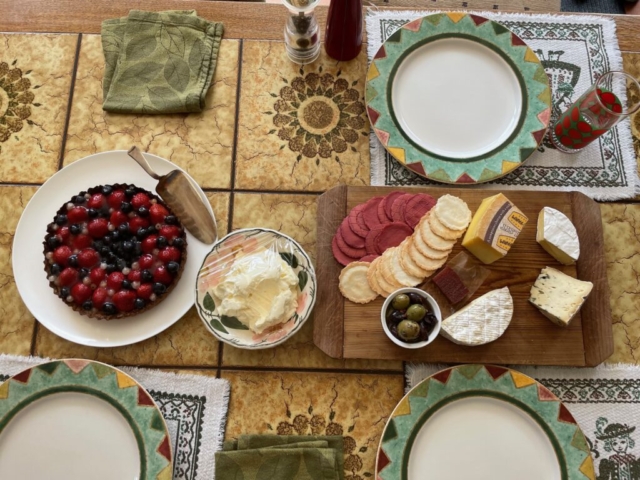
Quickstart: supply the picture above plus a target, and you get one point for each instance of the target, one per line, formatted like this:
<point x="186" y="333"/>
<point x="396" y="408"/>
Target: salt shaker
<point x="301" y="34"/>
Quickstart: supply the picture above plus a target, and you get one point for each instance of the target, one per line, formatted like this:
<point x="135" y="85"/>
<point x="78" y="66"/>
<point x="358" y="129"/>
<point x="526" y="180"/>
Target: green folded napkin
<point x="158" y="62"/>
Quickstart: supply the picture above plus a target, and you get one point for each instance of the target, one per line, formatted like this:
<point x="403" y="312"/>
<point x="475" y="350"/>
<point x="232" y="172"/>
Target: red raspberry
<point x="124" y="300"/>
<point x="67" y="277"/>
<point x="64" y="234"/>
<point x="134" y="276"/>
<point x="149" y="243"/>
<point x="99" y="297"/>
<point x="162" y="275"/>
<point x="116" y="199"/>
<point x="118" y="218"/>
<point x="140" y="200"/>
<point x="96" y="201"/>
<point x="145" y="261"/>
<point x="114" y="280"/>
<point x="61" y="254"/>
<point x="77" y="215"/>
<point x="98" y="227"/>
<point x="136" y="223"/>
<point x="88" y="257"/>
<point x="169" y="232"/>
<point x="169" y="254"/>
<point x="157" y="213"/>
<point x="82" y="241"/>
<point x="80" y="293"/>
<point x="97" y="275"/>
<point x="145" y="290"/>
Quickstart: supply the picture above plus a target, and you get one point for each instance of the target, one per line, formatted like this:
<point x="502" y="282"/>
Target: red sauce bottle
<point x="343" y="37"/>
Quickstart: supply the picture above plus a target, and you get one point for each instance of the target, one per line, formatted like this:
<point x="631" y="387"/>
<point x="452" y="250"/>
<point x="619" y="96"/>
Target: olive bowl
<point x="432" y="304"/>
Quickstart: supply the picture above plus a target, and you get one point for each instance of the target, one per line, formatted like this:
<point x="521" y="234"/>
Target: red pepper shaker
<point x="343" y="37"/>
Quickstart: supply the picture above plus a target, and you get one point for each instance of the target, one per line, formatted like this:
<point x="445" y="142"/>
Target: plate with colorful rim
<point x="230" y="329"/>
<point x="482" y="422"/>
<point x="78" y="419"/>
<point x="31" y="279"/>
<point x="458" y="98"/>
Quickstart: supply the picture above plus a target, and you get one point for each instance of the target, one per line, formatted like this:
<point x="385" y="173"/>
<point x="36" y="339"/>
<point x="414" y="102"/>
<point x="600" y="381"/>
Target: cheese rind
<point x="494" y="228"/>
<point x="558" y="236"/>
<point x="481" y="321"/>
<point x="559" y="296"/>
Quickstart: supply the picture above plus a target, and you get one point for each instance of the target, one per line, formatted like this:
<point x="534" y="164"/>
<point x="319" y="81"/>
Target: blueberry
<point x="161" y="242"/>
<point x="53" y="241"/>
<point x="151" y="230"/>
<point x="170" y="220"/>
<point x="107" y="240"/>
<point x="104" y="251"/>
<point x="124" y="230"/>
<point x="143" y="211"/>
<point x="130" y="191"/>
<point x="79" y="199"/>
<point x="75" y="229"/>
<point x="92" y="212"/>
<point x="142" y="233"/>
<point x="115" y="236"/>
<point x="137" y="248"/>
<point x="159" y="288"/>
<point x="64" y="292"/>
<point x="126" y="207"/>
<point x="56" y="269"/>
<point x="87" y="305"/>
<point x="178" y="242"/>
<point x="50" y="228"/>
<point x="173" y="267"/>
<point x="146" y="276"/>
<point x="126" y="284"/>
<point x="109" y="308"/>
<point x="121" y="264"/>
<point x="127" y="246"/>
<point x="61" y="219"/>
<point x="97" y="245"/>
<point x="106" y="189"/>
<point x="73" y="261"/>
<point x="83" y="272"/>
<point x="111" y="268"/>
<point x="139" y="303"/>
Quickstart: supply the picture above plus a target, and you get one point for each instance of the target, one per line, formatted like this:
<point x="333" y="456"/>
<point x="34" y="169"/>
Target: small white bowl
<point x="434" y="307"/>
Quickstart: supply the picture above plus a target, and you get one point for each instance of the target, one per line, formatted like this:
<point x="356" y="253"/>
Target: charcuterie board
<point x="344" y="329"/>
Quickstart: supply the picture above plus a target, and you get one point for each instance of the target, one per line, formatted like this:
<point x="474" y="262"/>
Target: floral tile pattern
<point x="631" y="62"/>
<point x="201" y="143"/>
<point x="35" y="80"/>
<point x="300" y="128"/>
<point x="356" y="406"/>
<point x="621" y="223"/>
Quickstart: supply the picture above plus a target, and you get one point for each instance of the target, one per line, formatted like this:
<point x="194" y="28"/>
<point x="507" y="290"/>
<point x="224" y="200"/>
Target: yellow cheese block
<point x="494" y="228"/>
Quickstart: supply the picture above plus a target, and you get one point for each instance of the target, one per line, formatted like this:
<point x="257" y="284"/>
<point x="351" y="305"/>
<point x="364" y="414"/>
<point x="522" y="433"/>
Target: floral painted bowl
<point x="219" y="260"/>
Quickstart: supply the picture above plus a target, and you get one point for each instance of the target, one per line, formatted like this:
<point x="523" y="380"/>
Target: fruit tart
<point x="114" y="251"/>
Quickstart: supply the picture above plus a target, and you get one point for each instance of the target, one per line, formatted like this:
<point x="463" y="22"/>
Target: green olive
<point x="400" y="302"/>
<point x="408" y="330"/>
<point x="416" y="312"/>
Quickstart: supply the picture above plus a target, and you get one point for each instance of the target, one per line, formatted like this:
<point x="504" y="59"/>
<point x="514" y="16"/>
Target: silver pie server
<point x="181" y="196"/>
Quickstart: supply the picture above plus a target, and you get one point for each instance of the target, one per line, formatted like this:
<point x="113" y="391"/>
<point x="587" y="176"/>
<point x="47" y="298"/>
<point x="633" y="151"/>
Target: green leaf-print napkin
<point x="158" y="62"/>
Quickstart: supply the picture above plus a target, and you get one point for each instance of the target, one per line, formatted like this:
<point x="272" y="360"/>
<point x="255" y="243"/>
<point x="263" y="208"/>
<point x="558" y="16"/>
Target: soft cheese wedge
<point x="559" y="296"/>
<point x="481" y="321"/>
<point x="557" y="235"/>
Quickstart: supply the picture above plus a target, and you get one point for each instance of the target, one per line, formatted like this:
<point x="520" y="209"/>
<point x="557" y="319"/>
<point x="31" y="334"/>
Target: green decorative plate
<point x="482" y="422"/>
<point x="78" y="419"/>
<point x="458" y="98"/>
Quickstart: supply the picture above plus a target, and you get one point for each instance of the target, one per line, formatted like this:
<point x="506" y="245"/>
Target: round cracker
<point x="354" y="285"/>
<point x="408" y="265"/>
<point x="430" y="238"/>
<point x="452" y="212"/>
<point x="384" y="285"/>
<point x="372" y="278"/>
<point x="423" y="262"/>
<point x="385" y="271"/>
<point x="443" y="232"/>
<point x="400" y="274"/>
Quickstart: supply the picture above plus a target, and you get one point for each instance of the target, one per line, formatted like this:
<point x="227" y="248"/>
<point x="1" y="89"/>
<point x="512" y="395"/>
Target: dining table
<point x="236" y="150"/>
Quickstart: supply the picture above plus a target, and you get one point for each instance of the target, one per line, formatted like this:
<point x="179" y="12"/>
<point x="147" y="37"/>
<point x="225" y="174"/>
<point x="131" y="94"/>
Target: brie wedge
<point x="481" y="321"/>
<point x="557" y="235"/>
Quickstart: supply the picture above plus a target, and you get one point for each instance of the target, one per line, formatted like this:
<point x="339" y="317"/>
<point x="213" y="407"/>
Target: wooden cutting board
<point x="343" y="329"/>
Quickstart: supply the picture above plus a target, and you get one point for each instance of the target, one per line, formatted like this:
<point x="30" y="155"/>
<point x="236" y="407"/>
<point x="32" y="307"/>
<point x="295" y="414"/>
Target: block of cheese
<point x="481" y="321"/>
<point x="559" y="296"/>
<point x="494" y="228"/>
<point x="557" y="235"/>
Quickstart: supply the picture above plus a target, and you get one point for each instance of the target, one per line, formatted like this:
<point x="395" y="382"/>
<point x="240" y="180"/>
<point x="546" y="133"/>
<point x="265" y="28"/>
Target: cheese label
<point x="505" y="225"/>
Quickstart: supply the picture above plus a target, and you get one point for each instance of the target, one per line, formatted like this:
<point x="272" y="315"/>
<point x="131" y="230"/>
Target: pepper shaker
<point x="301" y="33"/>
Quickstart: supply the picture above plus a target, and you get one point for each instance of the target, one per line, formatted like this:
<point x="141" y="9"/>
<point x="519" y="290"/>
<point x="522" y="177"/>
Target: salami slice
<point x="370" y="212"/>
<point x="356" y="226"/>
<point x="382" y="216"/>
<point x="392" y="235"/>
<point x="347" y="250"/>
<point x="417" y="207"/>
<point x="340" y="256"/>
<point x="388" y="202"/>
<point x="371" y="242"/>
<point x="349" y="237"/>
<point x="369" y="258"/>
<point x="398" y="207"/>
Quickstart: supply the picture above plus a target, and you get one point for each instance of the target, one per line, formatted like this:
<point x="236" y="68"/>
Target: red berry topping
<point x="157" y="213"/>
<point x="98" y="227"/>
<point x="82" y="241"/>
<point x="169" y="254"/>
<point x="145" y="290"/>
<point x="88" y="257"/>
<point x="134" y="276"/>
<point x="116" y="199"/>
<point x="77" y="215"/>
<point x="96" y="201"/>
<point x="169" y="232"/>
<point x="114" y="280"/>
<point x="67" y="277"/>
<point x="140" y="200"/>
<point x="80" y="293"/>
<point x="162" y="275"/>
<point x="97" y="275"/>
<point x="124" y="300"/>
<point x="118" y="218"/>
<point x="136" y="223"/>
<point x="99" y="297"/>
<point x="149" y="243"/>
<point x="64" y="234"/>
<point x="145" y="261"/>
<point x="61" y="254"/>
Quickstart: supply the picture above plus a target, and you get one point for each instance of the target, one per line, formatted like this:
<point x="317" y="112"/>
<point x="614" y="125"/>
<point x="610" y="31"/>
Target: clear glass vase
<point x="301" y="33"/>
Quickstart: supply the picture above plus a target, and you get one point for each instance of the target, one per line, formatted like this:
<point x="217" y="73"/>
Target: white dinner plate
<point x="28" y="267"/>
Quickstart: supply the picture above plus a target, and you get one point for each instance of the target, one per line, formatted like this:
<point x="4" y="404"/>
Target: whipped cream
<point x="260" y="290"/>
